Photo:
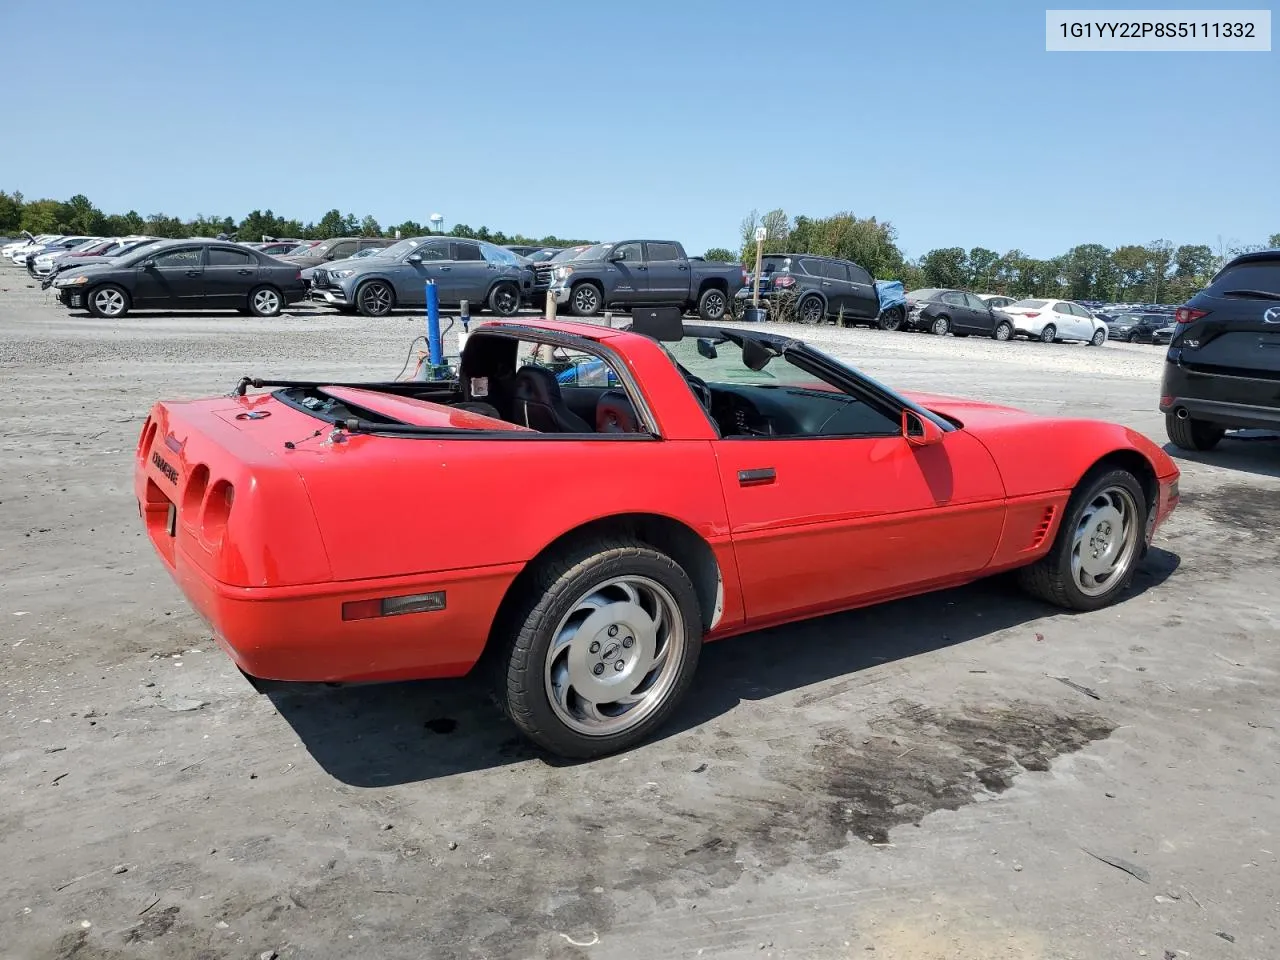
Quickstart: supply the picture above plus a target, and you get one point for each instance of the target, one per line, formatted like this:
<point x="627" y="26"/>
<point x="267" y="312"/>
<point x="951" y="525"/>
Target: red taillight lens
<point x="1033" y="313"/>
<point x="784" y="281"/>
<point x="1188" y="315"/>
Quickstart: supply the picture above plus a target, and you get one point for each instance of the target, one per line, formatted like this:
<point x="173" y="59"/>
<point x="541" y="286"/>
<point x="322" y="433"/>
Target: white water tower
<point x="437" y="223"/>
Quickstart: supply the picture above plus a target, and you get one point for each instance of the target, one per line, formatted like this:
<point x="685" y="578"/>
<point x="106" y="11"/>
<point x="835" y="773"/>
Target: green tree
<point x="777" y="233"/>
<point x="721" y="253"/>
<point x="369" y="227"/>
<point x="41" y="216"/>
<point x="983" y="264"/>
<point x="946" y="267"/>
<point x="10" y="212"/>
<point x="1090" y="273"/>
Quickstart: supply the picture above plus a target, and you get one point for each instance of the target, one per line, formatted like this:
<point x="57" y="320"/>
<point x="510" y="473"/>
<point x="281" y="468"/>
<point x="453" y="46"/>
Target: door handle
<point x="826" y="283"/>
<point x="641" y="266"/>
<point x="757" y="477"/>
<point x="193" y="273"/>
<point x="444" y="268"/>
<point x="244" y="273"/>
<point x="684" y="266"/>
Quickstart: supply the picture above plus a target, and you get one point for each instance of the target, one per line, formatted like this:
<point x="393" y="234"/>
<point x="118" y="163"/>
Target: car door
<point x="467" y="275"/>
<point x="668" y="272"/>
<point x="979" y="315"/>
<point x="429" y="260"/>
<point x="229" y="275"/>
<point x="954" y="304"/>
<point x="631" y="284"/>
<point x="171" y="278"/>
<point x="862" y="300"/>
<point x="825" y="522"/>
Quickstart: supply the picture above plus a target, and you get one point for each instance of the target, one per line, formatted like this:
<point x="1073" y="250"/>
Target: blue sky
<point x="602" y="119"/>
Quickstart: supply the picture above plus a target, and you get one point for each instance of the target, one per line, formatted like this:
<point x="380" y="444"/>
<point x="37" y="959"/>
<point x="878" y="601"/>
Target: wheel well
<point x="595" y="283"/>
<point x="713" y="283"/>
<point x="672" y="537"/>
<point x="1136" y="464"/>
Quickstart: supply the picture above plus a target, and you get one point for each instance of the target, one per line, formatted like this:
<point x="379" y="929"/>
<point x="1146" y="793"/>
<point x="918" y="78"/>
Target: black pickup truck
<point x="639" y="273"/>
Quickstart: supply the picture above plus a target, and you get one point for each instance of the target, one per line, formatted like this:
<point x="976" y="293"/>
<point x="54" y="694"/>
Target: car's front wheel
<point x="375" y="298"/>
<point x="1100" y="337"/>
<point x="585" y="300"/>
<point x="1098" y="545"/>
<point x="109" y="302"/>
<point x="504" y="299"/>
<point x="604" y="643"/>
<point x="1191" y="434"/>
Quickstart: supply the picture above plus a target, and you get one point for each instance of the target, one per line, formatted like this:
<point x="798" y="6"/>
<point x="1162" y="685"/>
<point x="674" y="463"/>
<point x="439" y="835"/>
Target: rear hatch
<point x="1233" y="327"/>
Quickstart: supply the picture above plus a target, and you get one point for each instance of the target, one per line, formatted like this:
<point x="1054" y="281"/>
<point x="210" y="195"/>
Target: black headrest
<point x="536" y="383"/>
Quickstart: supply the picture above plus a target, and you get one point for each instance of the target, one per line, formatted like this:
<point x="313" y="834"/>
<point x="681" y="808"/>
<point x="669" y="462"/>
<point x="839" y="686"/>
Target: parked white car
<point x="1055" y="320"/>
<point x="996" y="301"/>
<point x="10" y="250"/>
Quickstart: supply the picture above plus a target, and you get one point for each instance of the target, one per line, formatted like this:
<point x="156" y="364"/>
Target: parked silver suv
<point x="481" y="273"/>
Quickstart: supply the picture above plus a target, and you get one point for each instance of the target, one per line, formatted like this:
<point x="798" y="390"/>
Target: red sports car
<point x="584" y="506"/>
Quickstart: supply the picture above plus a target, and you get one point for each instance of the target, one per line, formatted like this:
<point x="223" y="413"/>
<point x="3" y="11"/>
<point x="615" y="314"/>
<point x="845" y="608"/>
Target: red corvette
<point x="584" y="506"/>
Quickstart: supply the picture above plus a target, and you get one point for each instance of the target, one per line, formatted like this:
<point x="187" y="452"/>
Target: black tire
<point x="891" y="319"/>
<point x="1003" y="331"/>
<point x="265" y="301"/>
<point x="810" y="310"/>
<point x="712" y="305"/>
<point x="527" y="631"/>
<point x="109" y="302"/>
<point x="1051" y="579"/>
<point x="1048" y="334"/>
<point x="504" y="299"/>
<point x="1099" y="338"/>
<point x="1192" y="434"/>
<point x="375" y="298"/>
<point x="940" y="326"/>
<point x="585" y="300"/>
<point x="1132" y="338"/>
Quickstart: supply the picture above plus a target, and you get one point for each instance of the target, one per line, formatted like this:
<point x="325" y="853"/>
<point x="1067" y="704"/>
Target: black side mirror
<point x="147" y="264"/>
<point x="414" y="258"/>
<point x="707" y="349"/>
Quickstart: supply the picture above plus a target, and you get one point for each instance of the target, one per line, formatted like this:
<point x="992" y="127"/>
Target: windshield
<point x="720" y="360"/>
<point x="538" y="256"/>
<point x="401" y="248"/>
<point x="594" y="252"/>
<point x="308" y="249"/>
<point x="368" y="252"/>
<point x="1032" y="304"/>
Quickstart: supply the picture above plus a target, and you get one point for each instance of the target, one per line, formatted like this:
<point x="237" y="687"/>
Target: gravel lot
<point x="910" y="780"/>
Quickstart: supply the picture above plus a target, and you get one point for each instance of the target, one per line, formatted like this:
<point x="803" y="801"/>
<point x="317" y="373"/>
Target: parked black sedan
<point x="184" y="275"/>
<point x="955" y="311"/>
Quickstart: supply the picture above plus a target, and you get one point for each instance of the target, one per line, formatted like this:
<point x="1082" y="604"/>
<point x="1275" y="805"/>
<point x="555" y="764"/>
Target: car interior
<point x="553" y="390"/>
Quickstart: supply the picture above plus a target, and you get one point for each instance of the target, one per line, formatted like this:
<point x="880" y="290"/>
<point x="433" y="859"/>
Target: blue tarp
<point x="890" y="293"/>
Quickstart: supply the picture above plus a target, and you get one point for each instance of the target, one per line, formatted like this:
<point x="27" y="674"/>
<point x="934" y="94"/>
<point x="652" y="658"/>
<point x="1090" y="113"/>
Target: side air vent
<point x="1042" y="529"/>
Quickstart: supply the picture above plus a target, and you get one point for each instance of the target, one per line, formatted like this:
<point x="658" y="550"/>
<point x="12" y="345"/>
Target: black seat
<point x="476" y="406"/>
<point x="540" y="405"/>
<point x="615" y="414"/>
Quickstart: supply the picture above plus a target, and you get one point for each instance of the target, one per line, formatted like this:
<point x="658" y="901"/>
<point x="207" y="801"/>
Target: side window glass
<point x="466" y="251"/>
<point x="433" y="251"/>
<point x="663" y="251"/>
<point x="858" y="275"/>
<point x="186" y="258"/>
<point x="630" y="252"/>
<point x="223" y="257"/>
<point x="572" y="368"/>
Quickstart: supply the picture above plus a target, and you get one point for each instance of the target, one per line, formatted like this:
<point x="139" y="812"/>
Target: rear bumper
<point x="1229" y="401"/>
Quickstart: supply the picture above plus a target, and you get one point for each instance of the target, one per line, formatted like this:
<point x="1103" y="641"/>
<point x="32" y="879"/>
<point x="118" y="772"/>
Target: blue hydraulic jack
<point x="435" y="368"/>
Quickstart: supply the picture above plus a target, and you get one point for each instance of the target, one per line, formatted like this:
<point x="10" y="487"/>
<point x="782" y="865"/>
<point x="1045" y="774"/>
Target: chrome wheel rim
<point x="714" y="305"/>
<point x="1003" y="331"/>
<point x="1046" y="335"/>
<point x="585" y="299"/>
<point x="940" y="326"/>
<point x="377" y="298"/>
<point x="1098" y="337"/>
<point x="811" y="311"/>
<point x="109" y="302"/>
<point x="1105" y="541"/>
<point x="266" y="301"/>
<point x="615" y="656"/>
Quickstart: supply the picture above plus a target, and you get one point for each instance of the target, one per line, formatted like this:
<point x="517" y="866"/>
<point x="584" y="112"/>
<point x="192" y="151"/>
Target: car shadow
<point x="380" y="735"/>
<point x="1248" y="451"/>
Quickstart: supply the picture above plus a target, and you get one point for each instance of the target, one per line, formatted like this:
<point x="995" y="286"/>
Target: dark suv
<point x="817" y="288"/>
<point x="1223" y="367"/>
<point x="1136" y="327"/>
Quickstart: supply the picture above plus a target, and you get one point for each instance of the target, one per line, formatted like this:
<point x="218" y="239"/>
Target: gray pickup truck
<point x="640" y="273"/>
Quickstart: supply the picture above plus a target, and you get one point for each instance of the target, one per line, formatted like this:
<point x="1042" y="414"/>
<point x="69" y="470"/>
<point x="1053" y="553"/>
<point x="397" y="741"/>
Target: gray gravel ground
<point x="908" y="782"/>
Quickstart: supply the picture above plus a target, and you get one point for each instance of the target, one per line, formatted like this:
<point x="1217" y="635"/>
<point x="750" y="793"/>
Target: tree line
<point x="79" y="216"/>
<point x="1154" y="272"/>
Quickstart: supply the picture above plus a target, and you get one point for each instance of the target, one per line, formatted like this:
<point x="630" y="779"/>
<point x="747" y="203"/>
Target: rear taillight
<point x="1033" y="313"/>
<point x="746" y="277"/>
<point x="1188" y="315"/>
<point x="784" y="281"/>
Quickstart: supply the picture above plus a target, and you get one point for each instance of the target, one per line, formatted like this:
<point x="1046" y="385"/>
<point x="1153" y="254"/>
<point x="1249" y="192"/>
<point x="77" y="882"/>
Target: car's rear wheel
<point x="1098" y="545"/>
<point x="1192" y="434"/>
<point x="891" y="319"/>
<point x="810" y="310"/>
<point x="940" y="326"/>
<point x="1133" y="337"/>
<point x="375" y="298"/>
<point x="604" y="643"/>
<point x="1048" y="334"/>
<point x="1003" y="330"/>
<point x="504" y="299"/>
<point x="108" y="301"/>
<point x="265" y="302"/>
<point x="712" y="305"/>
